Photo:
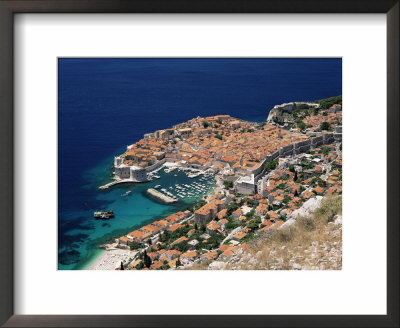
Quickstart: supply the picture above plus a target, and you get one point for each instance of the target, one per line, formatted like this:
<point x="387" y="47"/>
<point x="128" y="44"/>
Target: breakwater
<point x="164" y="198"/>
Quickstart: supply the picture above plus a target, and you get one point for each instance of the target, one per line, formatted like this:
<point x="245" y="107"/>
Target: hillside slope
<point x="310" y="241"/>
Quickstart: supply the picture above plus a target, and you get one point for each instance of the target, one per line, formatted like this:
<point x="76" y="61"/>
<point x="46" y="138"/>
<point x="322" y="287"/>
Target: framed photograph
<point x="237" y="161"/>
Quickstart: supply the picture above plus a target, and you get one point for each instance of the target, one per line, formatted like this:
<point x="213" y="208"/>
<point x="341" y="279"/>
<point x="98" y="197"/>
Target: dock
<point x="161" y="196"/>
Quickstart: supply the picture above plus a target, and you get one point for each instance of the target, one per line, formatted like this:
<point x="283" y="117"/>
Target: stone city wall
<point x="337" y="136"/>
<point x="245" y="188"/>
<point x="317" y="141"/>
<point x="155" y="166"/>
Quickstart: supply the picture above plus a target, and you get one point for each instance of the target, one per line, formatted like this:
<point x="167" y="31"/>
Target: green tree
<point x="146" y="260"/>
<point x="139" y="266"/>
<point x="205" y="124"/>
<point x="122" y="266"/>
<point x="250" y="213"/>
<point x="301" y="125"/>
<point x="228" y="184"/>
<point x="200" y="204"/>
<point x="178" y="263"/>
<point x="164" y="236"/>
<point x="325" y="126"/>
<point x="325" y="151"/>
<point x="254" y="223"/>
<point x="328" y="102"/>
<point x="232" y="207"/>
<point x="271" y="165"/>
<point x="134" y="245"/>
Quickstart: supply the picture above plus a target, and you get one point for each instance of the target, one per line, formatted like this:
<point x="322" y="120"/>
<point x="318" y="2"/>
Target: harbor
<point x="133" y="205"/>
<point x="197" y="183"/>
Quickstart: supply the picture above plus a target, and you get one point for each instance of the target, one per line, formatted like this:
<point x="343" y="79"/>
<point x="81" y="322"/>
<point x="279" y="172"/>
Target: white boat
<point x="157" y="186"/>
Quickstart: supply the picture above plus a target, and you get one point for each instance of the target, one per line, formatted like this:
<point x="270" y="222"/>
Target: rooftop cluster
<point x="217" y="141"/>
<point x="222" y="227"/>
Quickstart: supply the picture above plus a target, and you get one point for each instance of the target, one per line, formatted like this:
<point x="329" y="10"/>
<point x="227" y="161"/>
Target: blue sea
<point x="105" y="104"/>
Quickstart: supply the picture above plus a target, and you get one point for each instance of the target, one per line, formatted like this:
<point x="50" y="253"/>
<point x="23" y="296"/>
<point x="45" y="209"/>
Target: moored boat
<point x="103" y="215"/>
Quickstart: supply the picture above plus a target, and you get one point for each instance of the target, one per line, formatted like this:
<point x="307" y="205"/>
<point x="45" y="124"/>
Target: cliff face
<point x="279" y="116"/>
<point x="281" y="113"/>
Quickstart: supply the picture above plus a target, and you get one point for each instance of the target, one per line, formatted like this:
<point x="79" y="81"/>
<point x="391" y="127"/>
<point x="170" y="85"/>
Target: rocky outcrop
<point x="281" y="113"/>
<point x="217" y="265"/>
<point x="307" y="208"/>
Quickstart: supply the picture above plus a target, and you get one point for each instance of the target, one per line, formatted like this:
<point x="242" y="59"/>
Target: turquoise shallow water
<point x="131" y="211"/>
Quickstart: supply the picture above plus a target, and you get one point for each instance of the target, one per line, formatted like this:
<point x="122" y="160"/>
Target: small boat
<point x="103" y="215"/>
<point x="128" y="192"/>
<point x="157" y="186"/>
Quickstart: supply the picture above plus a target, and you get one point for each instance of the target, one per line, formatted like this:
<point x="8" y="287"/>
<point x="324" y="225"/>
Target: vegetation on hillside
<point x="228" y="184"/>
<point x="328" y="102"/>
<point x="269" y="166"/>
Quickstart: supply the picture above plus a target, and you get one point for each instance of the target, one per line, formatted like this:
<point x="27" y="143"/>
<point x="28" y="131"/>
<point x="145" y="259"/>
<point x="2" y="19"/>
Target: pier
<point x="113" y="183"/>
<point x="161" y="196"/>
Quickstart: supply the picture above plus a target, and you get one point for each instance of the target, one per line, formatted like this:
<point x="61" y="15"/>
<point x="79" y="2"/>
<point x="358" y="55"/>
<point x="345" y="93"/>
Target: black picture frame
<point x="10" y="7"/>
